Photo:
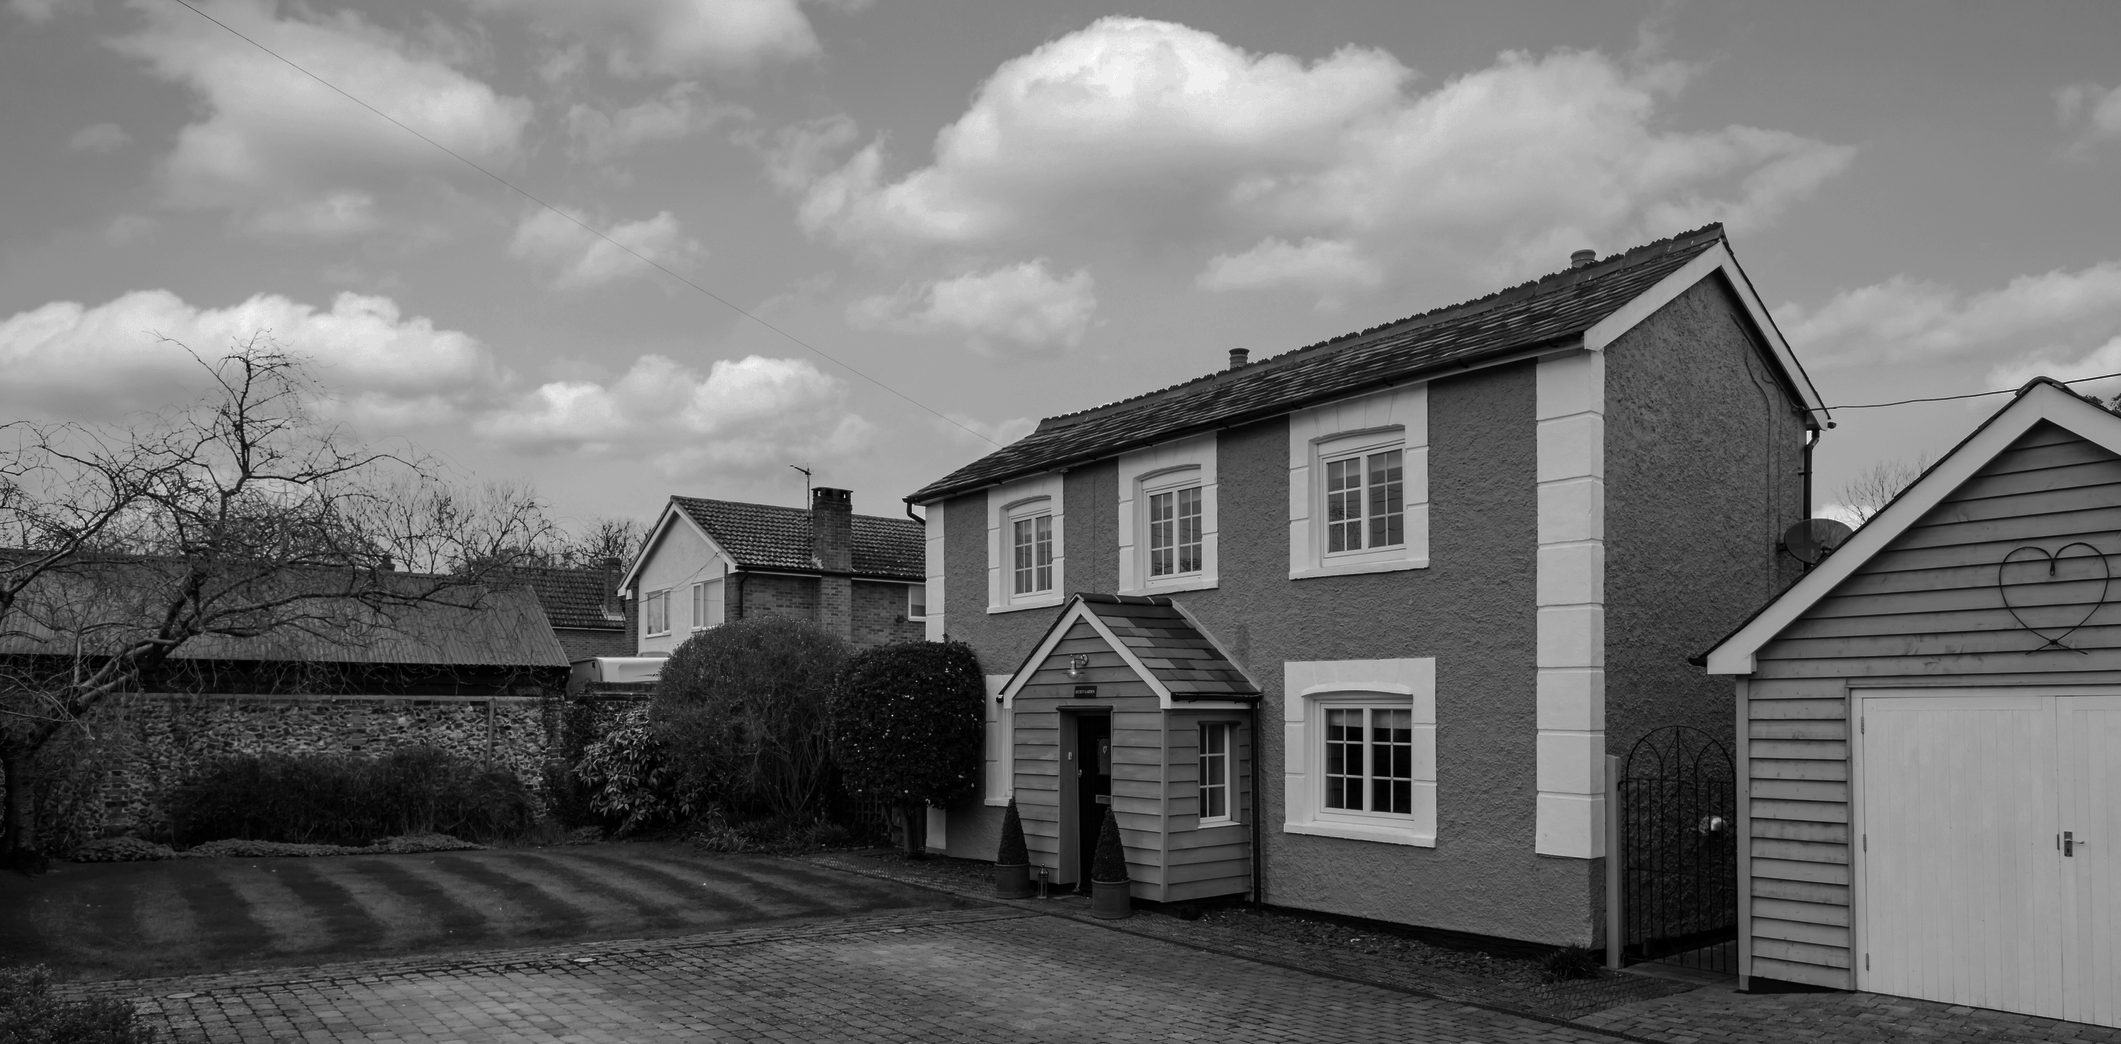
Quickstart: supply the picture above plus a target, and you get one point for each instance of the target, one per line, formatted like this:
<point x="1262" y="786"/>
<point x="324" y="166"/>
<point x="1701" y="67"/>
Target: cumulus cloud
<point x="1325" y="267"/>
<point x="1159" y="133"/>
<point x="2092" y="111"/>
<point x="1905" y="319"/>
<point x="381" y="368"/>
<point x="99" y="138"/>
<point x="583" y="259"/>
<point x="1023" y="305"/>
<point x="2064" y="365"/>
<point x="289" y="155"/>
<point x="678" y="113"/>
<point x="748" y="415"/>
<point x="641" y="38"/>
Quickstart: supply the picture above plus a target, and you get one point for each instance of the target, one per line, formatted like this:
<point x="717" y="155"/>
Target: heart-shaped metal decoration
<point x="2031" y="557"/>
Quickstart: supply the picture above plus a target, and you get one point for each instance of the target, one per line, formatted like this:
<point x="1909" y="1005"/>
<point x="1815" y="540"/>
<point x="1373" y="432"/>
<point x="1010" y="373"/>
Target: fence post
<point x="1615" y="866"/>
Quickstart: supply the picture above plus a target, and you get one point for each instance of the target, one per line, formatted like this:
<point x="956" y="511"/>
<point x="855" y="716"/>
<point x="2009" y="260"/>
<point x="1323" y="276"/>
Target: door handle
<point x="2070" y="841"/>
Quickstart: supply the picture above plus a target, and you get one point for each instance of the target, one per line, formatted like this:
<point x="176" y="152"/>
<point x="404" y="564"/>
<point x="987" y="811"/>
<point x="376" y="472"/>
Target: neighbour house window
<point x="1366" y="501"/>
<point x="1215" y="771"/>
<point x="655" y="613"/>
<point x="1369" y="760"/>
<point x="916" y="601"/>
<point x="1031" y="554"/>
<point x="707" y="607"/>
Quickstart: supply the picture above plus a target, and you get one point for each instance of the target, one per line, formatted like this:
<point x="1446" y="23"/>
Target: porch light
<point x="1077" y="664"/>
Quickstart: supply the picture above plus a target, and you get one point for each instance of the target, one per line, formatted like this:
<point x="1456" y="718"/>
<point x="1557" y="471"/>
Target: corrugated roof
<point x="1168" y="643"/>
<point x="767" y="536"/>
<point x="408" y="618"/>
<point x="1550" y="309"/>
<point x="578" y="599"/>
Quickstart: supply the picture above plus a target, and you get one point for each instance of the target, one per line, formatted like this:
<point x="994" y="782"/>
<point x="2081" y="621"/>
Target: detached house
<point x="1353" y="628"/>
<point x="709" y="561"/>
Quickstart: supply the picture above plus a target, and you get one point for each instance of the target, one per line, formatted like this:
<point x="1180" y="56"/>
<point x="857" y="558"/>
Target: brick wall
<point x="768" y="594"/>
<point x="880" y="615"/>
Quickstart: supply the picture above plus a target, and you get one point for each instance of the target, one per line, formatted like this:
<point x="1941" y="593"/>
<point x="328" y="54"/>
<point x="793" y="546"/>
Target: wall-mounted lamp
<point x="1077" y="664"/>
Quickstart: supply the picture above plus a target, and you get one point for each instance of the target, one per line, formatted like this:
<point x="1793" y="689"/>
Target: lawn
<point x="186" y="916"/>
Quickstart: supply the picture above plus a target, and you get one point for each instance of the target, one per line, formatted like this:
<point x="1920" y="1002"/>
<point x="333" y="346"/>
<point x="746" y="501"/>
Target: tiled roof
<point x="419" y="619"/>
<point x="572" y="598"/>
<point x="766" y="536"/>
<point x="1168" y="643"/>
<point x="1545" y="311"/>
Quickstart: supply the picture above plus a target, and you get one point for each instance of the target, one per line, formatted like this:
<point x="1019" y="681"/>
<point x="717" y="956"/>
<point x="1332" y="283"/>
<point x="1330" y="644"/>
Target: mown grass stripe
<point x="662" y="915"/>
<point x="864" y="892"/>
<point x="225" y="920"/>
<point x="460" y="923"/>
<point x="348" y="921"/>
<point x="554" y="916"/>
<point x="688" y="889"/>
<point x="805" y="904"/>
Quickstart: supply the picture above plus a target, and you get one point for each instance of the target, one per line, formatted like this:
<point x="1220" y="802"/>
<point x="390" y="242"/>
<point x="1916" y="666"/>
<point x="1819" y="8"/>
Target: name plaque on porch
<point x="1086" y="692"/>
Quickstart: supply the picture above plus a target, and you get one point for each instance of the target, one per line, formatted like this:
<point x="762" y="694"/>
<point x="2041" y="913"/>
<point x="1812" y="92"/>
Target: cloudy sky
<point x="1005" y="211"/>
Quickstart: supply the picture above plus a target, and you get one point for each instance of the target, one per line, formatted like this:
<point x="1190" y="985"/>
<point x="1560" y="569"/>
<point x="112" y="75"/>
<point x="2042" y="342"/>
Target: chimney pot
<point x="1582" y="258"/>
<point x="1239" y="357"/>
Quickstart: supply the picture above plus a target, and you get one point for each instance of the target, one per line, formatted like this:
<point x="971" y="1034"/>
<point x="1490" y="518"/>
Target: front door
<point x="1093" y="787"/>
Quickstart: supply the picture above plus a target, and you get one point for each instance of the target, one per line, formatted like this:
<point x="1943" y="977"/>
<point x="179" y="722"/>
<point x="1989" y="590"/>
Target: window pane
<point x="1163" y="560"/>
<point x="1044" y="579"/>
<point x="1022" y="550"/>
<point x="916" y="601"/>
<point x="1344" y="758"/>
<point x="1214" y="771"/>
<point x="1344" y="504"/>
<point x="1392" y="760"/>
<point x="1387" y="499"/>
<point x="1189" y="523"/>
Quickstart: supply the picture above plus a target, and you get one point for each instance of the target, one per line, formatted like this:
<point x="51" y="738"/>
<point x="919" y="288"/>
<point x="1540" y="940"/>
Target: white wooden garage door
<point x="1968" y="895"/>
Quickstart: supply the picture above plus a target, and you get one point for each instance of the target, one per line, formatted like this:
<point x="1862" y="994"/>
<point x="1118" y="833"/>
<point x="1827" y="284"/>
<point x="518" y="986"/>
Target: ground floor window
<point x="1369" y="759"/>
<point x="1214" y="771"/>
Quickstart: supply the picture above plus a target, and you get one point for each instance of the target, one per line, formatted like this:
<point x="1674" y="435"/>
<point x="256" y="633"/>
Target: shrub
<point x="906" y="725"/>
<point x="1571" y="962"/>
<point x="629" y="778"/>
<point x="31" y="1015"/>
<point x="350" y="801"/>
<point x="740" y="710"/>
<point x="1110" y="863"/>
<point x="1013" y="851"/>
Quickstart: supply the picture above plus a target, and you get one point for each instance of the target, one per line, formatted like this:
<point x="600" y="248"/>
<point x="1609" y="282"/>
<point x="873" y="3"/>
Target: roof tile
<point x="767" y="536"/>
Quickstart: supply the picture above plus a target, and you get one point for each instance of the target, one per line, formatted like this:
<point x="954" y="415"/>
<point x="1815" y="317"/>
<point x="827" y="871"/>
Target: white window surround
<point x="1144" y="473"/>
<point x="1025" y="498"/>
<point x="1309" y="688"/>
<point x="1398" y="418"/>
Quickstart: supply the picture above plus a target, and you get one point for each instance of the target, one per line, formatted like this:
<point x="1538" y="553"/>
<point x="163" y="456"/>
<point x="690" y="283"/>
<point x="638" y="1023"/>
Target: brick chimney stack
<point x="832" y="548"/>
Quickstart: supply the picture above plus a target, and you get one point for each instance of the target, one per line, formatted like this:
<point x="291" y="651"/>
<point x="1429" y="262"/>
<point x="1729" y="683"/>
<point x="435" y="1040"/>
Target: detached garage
<point x="1930" y="726"/>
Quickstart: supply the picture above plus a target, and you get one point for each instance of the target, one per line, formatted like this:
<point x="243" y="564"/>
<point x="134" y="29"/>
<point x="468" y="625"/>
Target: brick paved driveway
<point x="973" y="975"/>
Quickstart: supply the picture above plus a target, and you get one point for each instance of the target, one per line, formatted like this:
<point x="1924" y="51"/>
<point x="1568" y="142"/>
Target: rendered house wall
<point x="1924" y="610"/>
<point x="677" y="561"/>
<point x="1704" y="458"/>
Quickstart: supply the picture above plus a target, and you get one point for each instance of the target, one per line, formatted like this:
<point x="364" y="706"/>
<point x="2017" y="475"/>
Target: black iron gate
<point x="1679" y="851"/>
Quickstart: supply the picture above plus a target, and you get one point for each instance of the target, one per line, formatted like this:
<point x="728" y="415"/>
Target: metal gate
<point x="1679" y="851"/>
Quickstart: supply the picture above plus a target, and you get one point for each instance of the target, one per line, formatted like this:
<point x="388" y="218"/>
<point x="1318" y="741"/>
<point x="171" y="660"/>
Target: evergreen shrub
<point x="907" y="722"/>
<point x="1110" y="863"/>
<point x="1013" y="851"/>
<point x="740" y="712"/>
<point x="328" y="799"/>
<point x="29" y="1014"/>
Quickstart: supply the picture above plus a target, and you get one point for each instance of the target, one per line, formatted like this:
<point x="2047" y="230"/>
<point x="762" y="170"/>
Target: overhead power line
<point x="591" y="229"/>
<point x="1952" y="398"/>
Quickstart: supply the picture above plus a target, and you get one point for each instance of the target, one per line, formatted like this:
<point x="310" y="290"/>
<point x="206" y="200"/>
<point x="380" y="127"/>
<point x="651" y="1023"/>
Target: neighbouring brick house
<point x="587" y="615"/>
<point x="861" y="577"/>
<point x="471" y="670"/>
<point x="1355" y="627"/>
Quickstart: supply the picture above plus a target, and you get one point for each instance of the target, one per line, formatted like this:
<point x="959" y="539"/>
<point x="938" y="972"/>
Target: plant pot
<point x="1012" y="882"/>
<point x="1111" y="900"/>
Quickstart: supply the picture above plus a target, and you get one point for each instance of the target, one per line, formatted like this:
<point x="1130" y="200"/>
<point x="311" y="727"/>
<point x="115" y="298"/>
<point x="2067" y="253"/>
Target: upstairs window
<point x="916" y="601"/>
<point x="1031" y="555"/>
<point x="1366" y="498"/>
<point x="1174" y="532"/>
<point x="655" y="613"/>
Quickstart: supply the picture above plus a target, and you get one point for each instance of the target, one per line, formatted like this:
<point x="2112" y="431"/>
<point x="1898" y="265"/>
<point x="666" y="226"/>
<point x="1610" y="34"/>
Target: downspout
<point x="1812" y="439"/>
<point x="1259" y="883"/>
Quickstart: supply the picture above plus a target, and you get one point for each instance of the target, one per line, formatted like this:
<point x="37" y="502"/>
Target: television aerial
<point x="1814" y="538"/>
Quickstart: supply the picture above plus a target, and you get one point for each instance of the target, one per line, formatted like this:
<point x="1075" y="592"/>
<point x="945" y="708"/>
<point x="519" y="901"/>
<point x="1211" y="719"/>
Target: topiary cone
<point x="1013" y="851"/>
<point x="1110" y="863"/>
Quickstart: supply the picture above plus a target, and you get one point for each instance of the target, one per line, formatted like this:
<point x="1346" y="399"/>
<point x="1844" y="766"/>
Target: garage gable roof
<point x="2041" y="399"/>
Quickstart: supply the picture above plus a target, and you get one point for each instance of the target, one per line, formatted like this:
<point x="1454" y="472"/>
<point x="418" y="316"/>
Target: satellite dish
<point x="1814" y="538"/>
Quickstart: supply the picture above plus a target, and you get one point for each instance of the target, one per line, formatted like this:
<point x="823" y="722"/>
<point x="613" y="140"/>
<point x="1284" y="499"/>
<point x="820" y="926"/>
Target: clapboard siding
<point x="1199" y="856"/>
<point x="1923" y="610"/>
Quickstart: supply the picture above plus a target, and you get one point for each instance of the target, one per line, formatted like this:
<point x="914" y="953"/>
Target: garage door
<point x="1968" y="896"/>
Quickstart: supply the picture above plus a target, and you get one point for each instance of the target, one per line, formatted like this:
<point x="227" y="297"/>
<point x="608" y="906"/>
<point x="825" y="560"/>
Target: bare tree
<point x="1869" y="493"/>
<point x="239" y="519"/>
<point x="600" y="538"/>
